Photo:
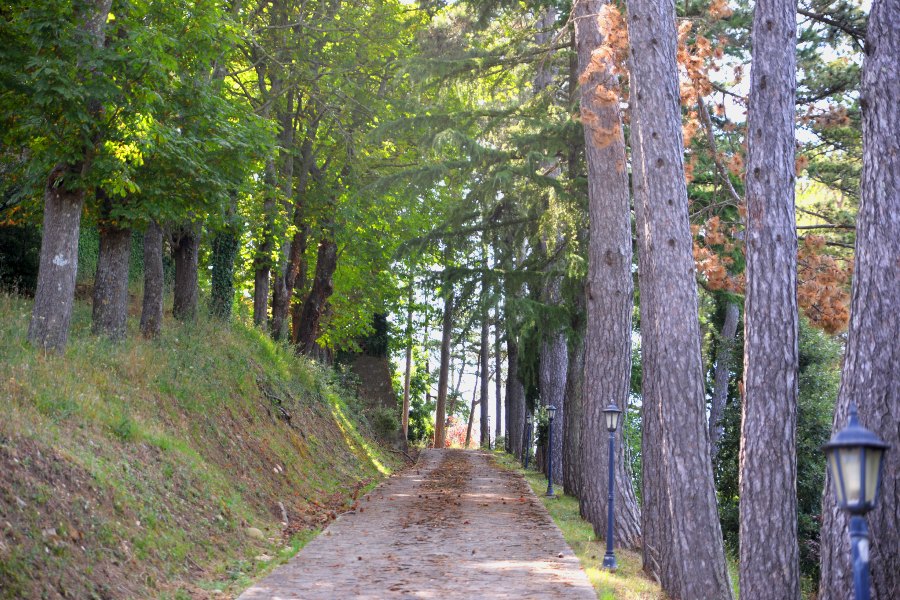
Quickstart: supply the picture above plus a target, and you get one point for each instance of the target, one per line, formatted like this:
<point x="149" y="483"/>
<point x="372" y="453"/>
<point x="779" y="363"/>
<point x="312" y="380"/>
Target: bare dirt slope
<point x="454" y="526"/>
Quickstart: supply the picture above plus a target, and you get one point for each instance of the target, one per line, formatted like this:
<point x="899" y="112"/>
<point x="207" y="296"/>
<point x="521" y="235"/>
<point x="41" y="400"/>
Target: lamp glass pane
<point x="836" y="477"/>
<point x="851" y="467"/>
<point x="610" y="421"/>
<point x="873" y="462"/>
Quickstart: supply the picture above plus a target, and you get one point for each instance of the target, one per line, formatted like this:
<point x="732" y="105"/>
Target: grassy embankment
<point x="158" y="469"/>
<point x="628" y="582"/>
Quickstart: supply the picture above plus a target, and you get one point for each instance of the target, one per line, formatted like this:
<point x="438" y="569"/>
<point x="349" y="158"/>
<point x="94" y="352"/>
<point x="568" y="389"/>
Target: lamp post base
<point x="609" y="561"/>
<point x="550" y="493"/>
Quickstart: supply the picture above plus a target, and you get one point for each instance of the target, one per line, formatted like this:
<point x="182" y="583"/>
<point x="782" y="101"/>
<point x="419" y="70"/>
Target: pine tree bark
<point x="871" y="367"/>
<point x="186" y="249"/>
<point x="485" y="357"/>
<point x="572" y="466"/>
<point x="498" y="382"/>
<point x="58" y="268"/>
<point x="440" y="435"/>
<point x="110" y="307"/>
<point x="769" y="552"/>
<point x="152" y="307"/>
<point x="609" y="288"/>
<point x="484" y="360"/>
<point x="314" y="304"/>
<point x="685" y="526"/>
<point x="515" y="398"/>
<point x="475" y="402"/>
<point x="554" y="366"/>
<point x="724" y="352"/>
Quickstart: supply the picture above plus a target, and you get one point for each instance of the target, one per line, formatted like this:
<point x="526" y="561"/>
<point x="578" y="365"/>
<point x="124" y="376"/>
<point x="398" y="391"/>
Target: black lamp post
<point x="855" y="458"/>
<point x="612" y="414"/>
<point x="551" y="412"/>
<point x="527" y="446"/>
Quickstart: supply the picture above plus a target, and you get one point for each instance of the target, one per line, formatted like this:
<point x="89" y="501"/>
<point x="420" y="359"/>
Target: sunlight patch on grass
<point x="354" y="440"/>
<point x="628" y="582"/>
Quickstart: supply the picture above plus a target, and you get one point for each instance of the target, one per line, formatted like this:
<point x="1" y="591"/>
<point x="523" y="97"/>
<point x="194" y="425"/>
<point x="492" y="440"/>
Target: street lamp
<point x="527" y="448"/>
<point x="612" y="414"/>
<point x="551" y="412"/>
<point x="855" y="458"/>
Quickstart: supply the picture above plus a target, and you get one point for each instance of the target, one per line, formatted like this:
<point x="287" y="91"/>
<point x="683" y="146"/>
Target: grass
<point x="135" y="469"/>
<point x="628" y="582"/>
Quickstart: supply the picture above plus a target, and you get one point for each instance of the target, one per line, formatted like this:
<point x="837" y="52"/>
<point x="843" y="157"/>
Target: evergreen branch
<point x="711" y="140"/>
<point x="857" y="35"/>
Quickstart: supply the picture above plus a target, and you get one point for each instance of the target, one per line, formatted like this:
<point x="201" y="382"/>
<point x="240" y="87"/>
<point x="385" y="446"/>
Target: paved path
<point x="453" y="526"/>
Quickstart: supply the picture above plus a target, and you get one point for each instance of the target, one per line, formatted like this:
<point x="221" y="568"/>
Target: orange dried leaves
<point x="823" y="286"/>
<point x="712" y="249"/>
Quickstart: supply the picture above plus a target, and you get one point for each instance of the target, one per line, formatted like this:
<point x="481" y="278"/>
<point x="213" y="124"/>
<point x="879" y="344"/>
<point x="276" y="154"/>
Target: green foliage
<point x="384" y="422"/>
<point x="20" y="247"/>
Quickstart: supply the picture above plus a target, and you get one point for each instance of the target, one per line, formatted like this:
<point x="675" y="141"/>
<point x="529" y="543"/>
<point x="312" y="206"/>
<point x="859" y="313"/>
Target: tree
<point x="681" y="532"/>
<point x="440" y="415"/>
<point x="871" y="363"/>
<point x="110" y="307"/>
<point x="769" y="554"/>
<point x="609" y="288"/>
<point x="186" y="251"/>
<point x="64" y="195"/>
<point x="485" y="352"/>
<point x="152" y="305"/>
<point x="724" y="350"/>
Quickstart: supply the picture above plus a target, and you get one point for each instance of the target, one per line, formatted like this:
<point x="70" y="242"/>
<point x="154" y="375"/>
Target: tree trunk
<point x="553" y="369"/>
<point x="498" y="384"/>
<point x="55" y="292"/>
<point x="691" y="555"/>
<point x="515" y="398"/>
<point x="485" y="355"/>
<point x="287" y="279"/>
<point x="322" y="288"/>
<point x="609" y="286"/>
<point x="110" y="309"/>
<point x="262" y="262"/>
<point x="225" y="246"/>
<point x="484" y="363"/>
<point x="724" y="352"/>
<point x="152" y="309"/>
<point x="769" y="552"/>
<point x="655" y="530"/>
<point x="58" y="268"/>
<point x="440" y="435"/>
<point x="187" y="256"/>
<point x="572" y="467"/>
<point x="407" y="372"/>
<point x="476" y="401"/>
<point x="871" y="367"/>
